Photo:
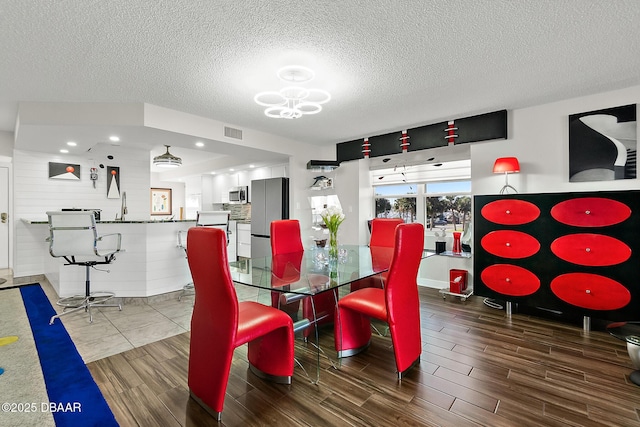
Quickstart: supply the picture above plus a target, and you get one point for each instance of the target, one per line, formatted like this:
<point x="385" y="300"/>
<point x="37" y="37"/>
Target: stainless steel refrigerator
<point x="269" y="201"/>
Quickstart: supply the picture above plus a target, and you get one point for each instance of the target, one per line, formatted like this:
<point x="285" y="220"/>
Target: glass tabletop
<point x="312" y="272"/>
<point x="626" y="331"/>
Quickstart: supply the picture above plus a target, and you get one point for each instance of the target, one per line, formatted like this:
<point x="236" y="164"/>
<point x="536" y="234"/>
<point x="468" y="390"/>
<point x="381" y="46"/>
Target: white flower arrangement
<point x="332" y="218"/>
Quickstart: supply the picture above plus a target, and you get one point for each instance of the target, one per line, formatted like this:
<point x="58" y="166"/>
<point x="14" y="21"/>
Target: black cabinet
<point x="425" y="137"/>
<point x="350" y="150"/>
<point x="482" y="127"/>
<point x="571" y="253"/>
<point x="385" y="145"/>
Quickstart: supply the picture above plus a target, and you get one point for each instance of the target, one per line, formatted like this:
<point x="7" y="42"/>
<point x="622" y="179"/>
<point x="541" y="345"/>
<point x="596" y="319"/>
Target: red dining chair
<point x="285" y="236"/>
<point x="286" y="241"/>
<point x="397" y="304"/>
<point x="220" y="324"/>
<point x="382" y="236"/>
<point x="383" y="231"/>
<point x="285" y="270"/>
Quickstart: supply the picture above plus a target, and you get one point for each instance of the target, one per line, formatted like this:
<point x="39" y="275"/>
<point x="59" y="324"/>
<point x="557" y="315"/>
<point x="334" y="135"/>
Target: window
<point x="437" y="195"/>
<point x="396" y="201"/>
<point x="447" y="205"/>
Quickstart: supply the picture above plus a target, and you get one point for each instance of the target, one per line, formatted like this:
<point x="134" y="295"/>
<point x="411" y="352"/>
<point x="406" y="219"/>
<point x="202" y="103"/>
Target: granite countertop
<point x="140" y="221"/>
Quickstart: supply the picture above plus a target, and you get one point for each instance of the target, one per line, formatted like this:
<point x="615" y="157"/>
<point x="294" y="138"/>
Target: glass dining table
<point x="308" y="284"/>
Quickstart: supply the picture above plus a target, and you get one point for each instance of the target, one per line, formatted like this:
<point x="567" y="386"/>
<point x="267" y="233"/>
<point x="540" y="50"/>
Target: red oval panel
<point x="590" y="291"/>
<point x="510" y="280"/>
<point x="595" y="250"/>
<point x="510" y="244"/>
<point x="590" y="212"/>
<point x="510" y="212"/>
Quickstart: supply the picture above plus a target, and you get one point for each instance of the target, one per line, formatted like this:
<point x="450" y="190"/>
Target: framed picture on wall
<point x="64" y="171"/>
<point x="603" y="144"/>
<point x="113" y="182"/>
<point x="160" y="201"/>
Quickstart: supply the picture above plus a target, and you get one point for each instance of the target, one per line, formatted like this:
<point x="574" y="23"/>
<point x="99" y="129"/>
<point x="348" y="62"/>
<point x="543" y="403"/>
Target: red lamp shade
<point x="506" y="165"/>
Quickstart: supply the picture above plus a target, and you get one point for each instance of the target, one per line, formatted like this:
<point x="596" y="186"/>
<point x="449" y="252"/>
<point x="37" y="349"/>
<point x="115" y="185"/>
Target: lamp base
<point x="505" y="189"/>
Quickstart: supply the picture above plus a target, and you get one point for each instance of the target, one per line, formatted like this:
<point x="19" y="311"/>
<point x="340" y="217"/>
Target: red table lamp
<point x="506" y="165"/>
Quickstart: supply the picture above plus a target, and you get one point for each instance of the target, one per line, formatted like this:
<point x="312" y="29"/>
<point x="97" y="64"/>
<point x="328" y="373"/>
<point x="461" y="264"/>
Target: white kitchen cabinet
<point x="233" y="241"/>
<point x="221" y="185"/>
<point x="215" y="188"/>
<point x="206" y="185"/>
<point x="244" y="240"/>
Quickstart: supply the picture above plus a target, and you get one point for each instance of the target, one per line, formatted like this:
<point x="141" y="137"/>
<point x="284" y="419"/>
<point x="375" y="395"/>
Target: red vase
<point x="457" y="247"/>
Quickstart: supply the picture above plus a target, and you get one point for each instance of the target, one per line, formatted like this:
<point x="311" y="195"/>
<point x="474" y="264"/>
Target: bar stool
<point x="211" y="219"/>
<point x="73" y="236"/>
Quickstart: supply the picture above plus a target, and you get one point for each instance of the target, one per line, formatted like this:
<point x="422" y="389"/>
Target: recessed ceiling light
<point x="231" y="169"/>
<point x="114" y="138"/>
<point x="64" y="151"/>
<point x="71" y="144"/>
<point x="252" y="166"/>
<point x="199" y="144"/>
<point x="213" y="172"/>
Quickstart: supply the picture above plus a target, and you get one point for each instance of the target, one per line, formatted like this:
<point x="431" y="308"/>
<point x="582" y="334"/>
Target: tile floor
<point x="139" y="323"/>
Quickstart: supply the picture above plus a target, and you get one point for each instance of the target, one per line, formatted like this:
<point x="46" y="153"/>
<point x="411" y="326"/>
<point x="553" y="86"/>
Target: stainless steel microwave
<point x="239" y="194"/>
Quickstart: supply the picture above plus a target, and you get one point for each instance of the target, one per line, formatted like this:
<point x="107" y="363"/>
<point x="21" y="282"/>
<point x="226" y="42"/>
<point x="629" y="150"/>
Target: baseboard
<point x="430" y="283"/>
<point x="28" y="279"/>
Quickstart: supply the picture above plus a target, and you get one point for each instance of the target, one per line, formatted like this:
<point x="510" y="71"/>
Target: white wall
<point x="539" y="138"/>
<point x="6" y="146"/>
<point x="354" y="192"/>
<point x="35" y="194"/>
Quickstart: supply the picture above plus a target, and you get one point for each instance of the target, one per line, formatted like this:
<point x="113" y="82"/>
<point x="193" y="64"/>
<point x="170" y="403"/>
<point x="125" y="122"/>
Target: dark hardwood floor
<point x="478" y="367"/>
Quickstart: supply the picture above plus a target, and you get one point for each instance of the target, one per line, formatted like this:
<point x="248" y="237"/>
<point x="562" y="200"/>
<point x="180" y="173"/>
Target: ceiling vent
<point x="232" y="133"/>
<point x="322" y="165"/>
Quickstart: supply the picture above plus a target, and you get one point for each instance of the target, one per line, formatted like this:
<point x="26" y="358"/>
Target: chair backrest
<point x="401" y="288"/>
<point x="216" y="302"/>
<point x="285" y="268"/>
<point x="383" y="231"/>
<point x="381" y="257"/>
<point x="216" y="219"/>
<point x="285" y="236"/>
<point x="72" y="233"/>
<point x="211" y="219"/>
<point x="401" y="294"/>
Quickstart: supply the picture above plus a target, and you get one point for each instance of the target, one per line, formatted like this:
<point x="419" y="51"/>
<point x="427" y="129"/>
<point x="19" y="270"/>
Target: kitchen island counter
<point x="151" y="262"/>
<point x="114" y="221"/>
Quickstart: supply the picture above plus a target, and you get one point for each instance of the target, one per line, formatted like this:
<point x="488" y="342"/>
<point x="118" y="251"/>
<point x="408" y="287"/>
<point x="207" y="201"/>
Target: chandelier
<point x="167" y="160"/>
<point x="292" y="102"/>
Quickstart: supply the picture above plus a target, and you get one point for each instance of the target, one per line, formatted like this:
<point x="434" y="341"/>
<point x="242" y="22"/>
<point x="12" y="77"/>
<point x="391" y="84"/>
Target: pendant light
<point x="167" y="160"/>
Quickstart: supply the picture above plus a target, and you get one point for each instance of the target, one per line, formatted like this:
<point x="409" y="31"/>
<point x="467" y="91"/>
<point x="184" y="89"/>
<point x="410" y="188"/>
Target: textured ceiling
<point x="388" y="64"/>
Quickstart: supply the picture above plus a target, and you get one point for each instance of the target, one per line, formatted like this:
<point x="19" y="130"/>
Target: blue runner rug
<point x="74" y="397"/>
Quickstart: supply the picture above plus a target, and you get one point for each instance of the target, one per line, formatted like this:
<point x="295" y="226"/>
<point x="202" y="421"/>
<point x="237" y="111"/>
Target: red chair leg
<point x="271" y="356"/>
<point x="406" y="339"/>
<point x="352" y="332"/>
<point x="209" y="367"/>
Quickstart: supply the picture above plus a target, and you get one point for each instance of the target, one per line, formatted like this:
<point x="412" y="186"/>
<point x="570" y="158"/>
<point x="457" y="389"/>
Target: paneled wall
<point x="35" y="193"/>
